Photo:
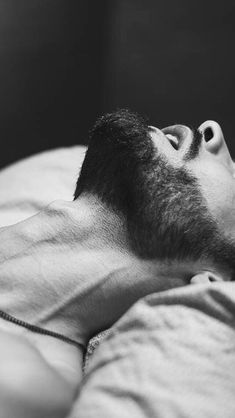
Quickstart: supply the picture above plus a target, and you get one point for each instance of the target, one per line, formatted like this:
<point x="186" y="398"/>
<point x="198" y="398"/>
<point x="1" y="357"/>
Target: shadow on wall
<point x="64" y="63"/>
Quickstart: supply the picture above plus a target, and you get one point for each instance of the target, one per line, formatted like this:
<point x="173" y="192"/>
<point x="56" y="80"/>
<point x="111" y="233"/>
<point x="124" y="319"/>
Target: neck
<point x="171" y="273"/>
<point x="73" y="259"/>
<point x="101" y="223"/>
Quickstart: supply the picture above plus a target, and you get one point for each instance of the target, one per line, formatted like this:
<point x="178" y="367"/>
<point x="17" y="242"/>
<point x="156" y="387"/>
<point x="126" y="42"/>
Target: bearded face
<point x="161" y="199"/>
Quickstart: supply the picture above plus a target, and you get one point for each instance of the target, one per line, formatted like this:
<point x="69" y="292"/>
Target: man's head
<point x="174" y="187"/>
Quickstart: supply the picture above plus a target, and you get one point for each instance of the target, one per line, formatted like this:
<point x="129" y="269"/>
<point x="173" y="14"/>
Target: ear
<point x="205" y="277"/>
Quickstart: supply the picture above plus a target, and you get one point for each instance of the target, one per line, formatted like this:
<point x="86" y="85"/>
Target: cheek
<point x="218" y="188"/>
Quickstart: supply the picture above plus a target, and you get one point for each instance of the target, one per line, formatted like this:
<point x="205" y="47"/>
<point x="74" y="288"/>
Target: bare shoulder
<point x="29" y="386"/>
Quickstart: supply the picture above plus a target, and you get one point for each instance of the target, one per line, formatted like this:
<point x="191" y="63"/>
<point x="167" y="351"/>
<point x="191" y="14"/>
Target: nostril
<point x="208" y="134"/>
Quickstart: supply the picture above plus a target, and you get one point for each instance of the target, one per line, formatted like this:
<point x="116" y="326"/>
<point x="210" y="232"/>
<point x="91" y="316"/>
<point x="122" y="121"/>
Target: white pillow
<point x="30" y="184"/>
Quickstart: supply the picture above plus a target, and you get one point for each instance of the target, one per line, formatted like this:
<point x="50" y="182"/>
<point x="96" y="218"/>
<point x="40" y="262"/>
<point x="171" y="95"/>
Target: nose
<point x="214" y="142"/>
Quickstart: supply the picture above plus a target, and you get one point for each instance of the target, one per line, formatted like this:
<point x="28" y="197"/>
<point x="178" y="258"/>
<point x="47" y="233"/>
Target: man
<point x="148" y="215"/>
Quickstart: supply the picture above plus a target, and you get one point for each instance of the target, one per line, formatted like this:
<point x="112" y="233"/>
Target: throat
<point x="51" y="261"/>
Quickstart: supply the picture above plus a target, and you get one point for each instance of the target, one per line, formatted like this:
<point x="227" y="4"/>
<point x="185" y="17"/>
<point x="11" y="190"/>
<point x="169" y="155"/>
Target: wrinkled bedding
<point x="172" y="355"/>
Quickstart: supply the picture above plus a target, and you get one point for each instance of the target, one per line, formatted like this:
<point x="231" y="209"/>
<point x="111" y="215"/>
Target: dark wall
<point x="65" y="62"/>
<point x="51" y="56"/>
<point x="174" y="61"/>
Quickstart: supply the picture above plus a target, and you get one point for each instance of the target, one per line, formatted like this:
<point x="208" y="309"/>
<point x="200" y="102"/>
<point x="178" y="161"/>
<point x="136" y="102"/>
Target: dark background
<point x="64" y="62"/>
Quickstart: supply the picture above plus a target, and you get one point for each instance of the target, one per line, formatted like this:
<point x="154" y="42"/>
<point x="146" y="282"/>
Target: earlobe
<point x="204" y="278"/>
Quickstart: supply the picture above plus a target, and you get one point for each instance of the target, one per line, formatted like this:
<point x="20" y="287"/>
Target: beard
<point x="165" y="212"/>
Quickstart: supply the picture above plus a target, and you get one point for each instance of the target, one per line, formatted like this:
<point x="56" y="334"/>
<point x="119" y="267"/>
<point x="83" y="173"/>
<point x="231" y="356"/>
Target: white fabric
<point x="30" y="184"/>
<point x="172" y="355"/>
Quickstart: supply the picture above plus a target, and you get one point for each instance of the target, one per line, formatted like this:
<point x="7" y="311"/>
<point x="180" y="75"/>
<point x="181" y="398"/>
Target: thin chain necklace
<point x="39" y="330"/>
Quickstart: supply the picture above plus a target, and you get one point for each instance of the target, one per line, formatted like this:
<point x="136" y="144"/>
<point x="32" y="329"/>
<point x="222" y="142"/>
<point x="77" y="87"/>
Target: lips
<point x="176" y="135"/>
<point x="173" y="140"/>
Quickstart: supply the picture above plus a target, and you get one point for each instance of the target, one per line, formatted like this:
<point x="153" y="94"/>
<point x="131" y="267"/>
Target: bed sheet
<point x="172" y="355"/>
<point x="28" y="185"/>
